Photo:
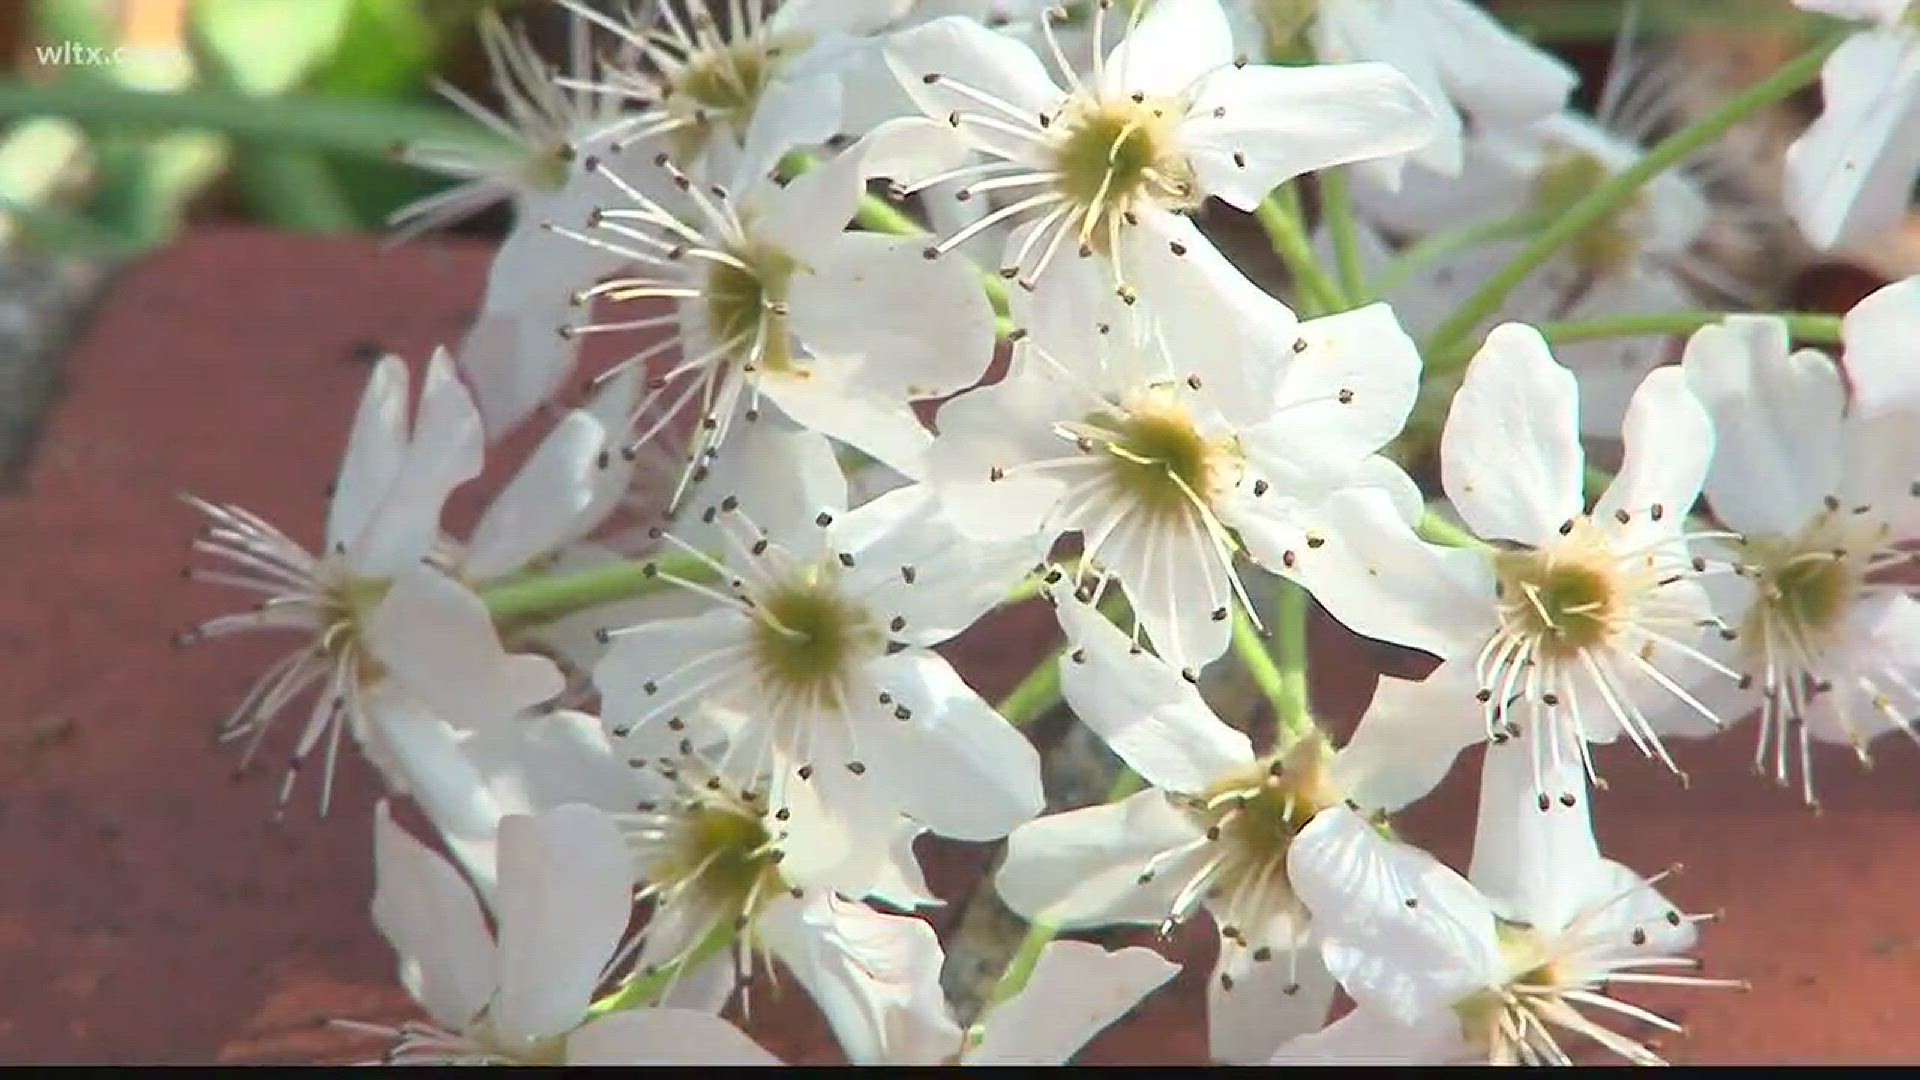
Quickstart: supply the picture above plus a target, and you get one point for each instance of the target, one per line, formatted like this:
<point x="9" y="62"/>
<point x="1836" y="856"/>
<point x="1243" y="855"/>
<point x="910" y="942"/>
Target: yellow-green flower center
<point x="748" y="302"/>
<point x="1608" y="245"/>
<point x="1160" y="457"/>
<point x="724" y="854"/>
<point x="721" y="85"/>
<point x="1807" y="583"/>
<point x="1114" y="155"/>
<point x="1485" y="1017"/>
<point x="1564" y="599"/>
<point x="345" y="606"/>
<point x="1251" y="820"/>
<point x="548" y="168"/>
<point x="809" y="637"/>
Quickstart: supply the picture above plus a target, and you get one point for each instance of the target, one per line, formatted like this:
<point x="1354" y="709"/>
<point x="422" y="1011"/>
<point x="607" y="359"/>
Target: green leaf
<point x="292" y="189"/>
<point x="267" y="47"/>
<point x="83" y="22"/>
<point x="367" y="129"/>
<point x="387" y="49"/>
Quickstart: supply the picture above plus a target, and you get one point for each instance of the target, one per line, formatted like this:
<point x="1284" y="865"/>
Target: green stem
<point x="644" y="990"/>
<point x="1284" y="683"/>
<point x="1812" y="329"/>
<point x="1441" y="245"/>
<point x="1020" y="968"/>
<point x="1438" y="530"/>
<point x="1279" y="214"/>
<point x="546" y="597"/>
<point x="1035" y="694"/>
<point x="357" y="127"/>
<point x="1337" y="207"/>
<point x="1609" y="197"/>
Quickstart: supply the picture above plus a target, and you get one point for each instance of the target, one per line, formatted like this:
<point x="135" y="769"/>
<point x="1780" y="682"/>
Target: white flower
<point x="381" y="571"/>
<point x="1112" y="164"/>
<point x="512" y="354"/>
<point x="1850" y="176"/>
<point x="726" y="94"/>
<point x="1641" y="260"/>
<point x="814" y="661"/>
<point x="544" y="125"/>
<point x="1212" y="832"/>
<point x="771" y="299"/>
<point x="523" y="996"/>
<point x="1158" y="450"/>
<point x="1469" y="67"/>
<point x="719" y="859"/>
<point x="1501" y="969"/>
<point x="1822" y="497"/>
<point x="1574" y="617"/>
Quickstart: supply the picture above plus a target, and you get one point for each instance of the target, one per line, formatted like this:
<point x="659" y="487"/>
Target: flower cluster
<point x="667" y="760"/>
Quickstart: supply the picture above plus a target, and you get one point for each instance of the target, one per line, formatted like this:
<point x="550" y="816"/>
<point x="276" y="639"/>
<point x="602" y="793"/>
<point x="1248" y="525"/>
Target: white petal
<point x="431" y="766"/>
<point x="1343" y="396"/>
<point x="799" y="108"/>
<point x="535" y="763"/>
<point x="954" y="580"/>
<point x="806" y="18"/>
<point x="899" y="882"/>
<point x="965" y="52"/>
<point x="1082" y="868"/>
<point x="566" y="893"/>
<point x="1496" y="75"/>
<point x="1510" y="455"/>
<point x="539" y="508"/>
<point x="434" y="636"/>
<point x="781" y="474"/>
<point x="664" y="1037"/>
<point x="876" y="978"/>
<point x="1142" y="708"/>
<point x="374" y="451"/>
<point x="955" y="765"/>
<point x="1408" y="738"/>
<point x="427" y="913"/>
<point x="1776" y="419"/>
<point x="1176" y="584"/>
<point x="514" y="355"/>
<point x="1271" y="1002"/>
<point x="1404" y="38"/>
<point x="654" y="672"/>
<point x="883" y="427"/>
<point x="1174" y="45"/>
<point x="1886" y="12"/>
<point x="1669" y="444"/>
<point x="908" y="327"/>
<point x="1880" y="470"/>
<point x="446" y="452"/>
<point x="1849" y="176"/>
<point x="1400" y="930"/>
<point x="1375" y="575"/>
<point x="1531" y="862"/>
<point x="999" y="427"/>
<point x="1285" y="121"/>
<point x="1879" y="334"/>
<point x="1075" y="990"/>
<point x="1615" y="902"/>
<point x="1376" y="1037"/>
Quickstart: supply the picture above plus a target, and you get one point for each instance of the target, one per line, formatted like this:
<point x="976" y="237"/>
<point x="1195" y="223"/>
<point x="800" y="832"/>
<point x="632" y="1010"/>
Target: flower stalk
<point x="1610" y="196"/>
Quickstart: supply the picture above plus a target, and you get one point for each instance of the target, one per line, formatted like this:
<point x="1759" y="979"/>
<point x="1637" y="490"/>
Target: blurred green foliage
<point x="267" y="55"/>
